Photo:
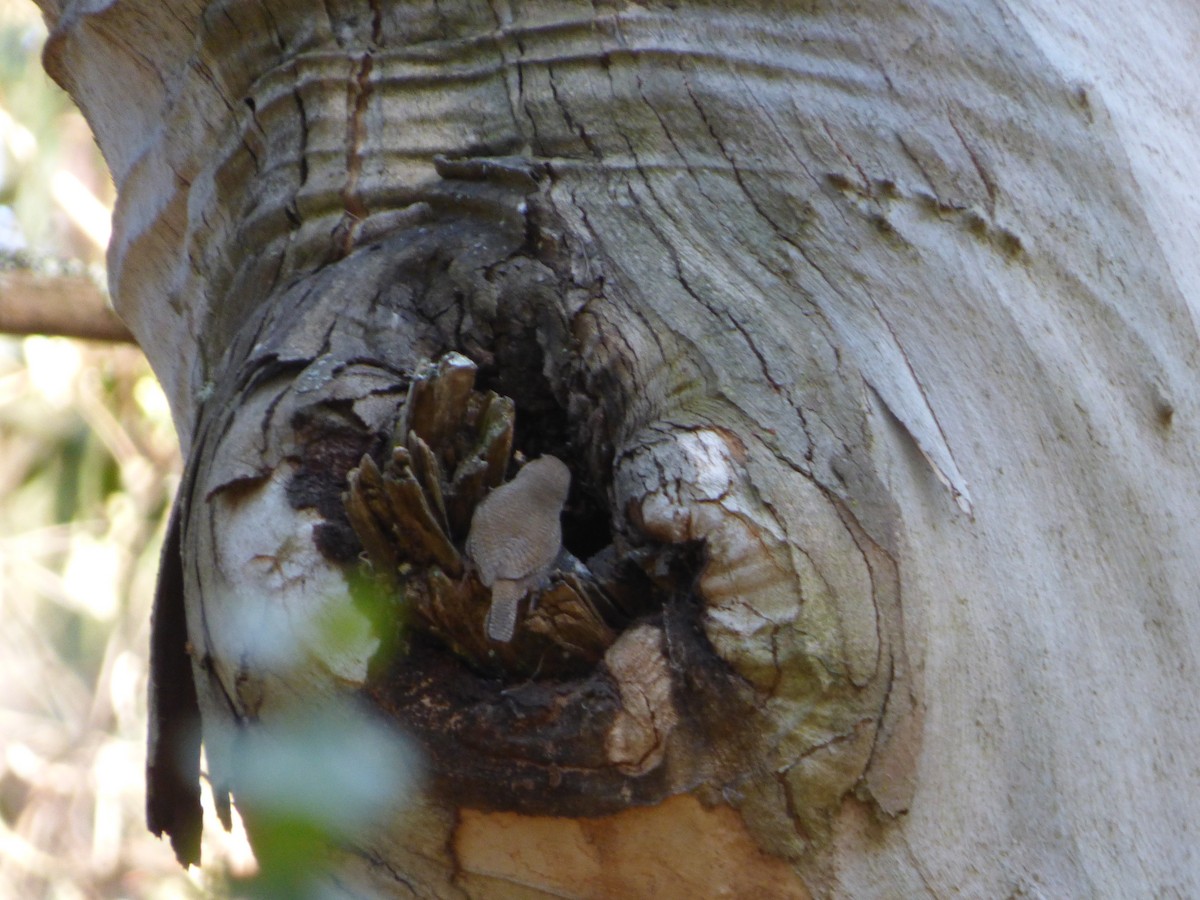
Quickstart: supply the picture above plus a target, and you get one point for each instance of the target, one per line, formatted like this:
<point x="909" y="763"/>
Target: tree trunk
<point x="865" y="333"/>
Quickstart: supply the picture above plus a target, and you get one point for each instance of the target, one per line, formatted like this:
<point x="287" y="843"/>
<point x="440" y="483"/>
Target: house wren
<point x="515" y="537"/>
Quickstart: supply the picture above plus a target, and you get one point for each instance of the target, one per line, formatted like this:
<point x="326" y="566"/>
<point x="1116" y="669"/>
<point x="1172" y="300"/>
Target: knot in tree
<point x="760" y="436"/>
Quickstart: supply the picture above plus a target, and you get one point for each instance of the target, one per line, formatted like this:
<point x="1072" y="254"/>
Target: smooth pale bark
<point x="892" y="308"/>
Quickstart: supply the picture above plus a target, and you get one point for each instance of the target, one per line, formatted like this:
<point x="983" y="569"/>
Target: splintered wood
<point x="450" y="452"/>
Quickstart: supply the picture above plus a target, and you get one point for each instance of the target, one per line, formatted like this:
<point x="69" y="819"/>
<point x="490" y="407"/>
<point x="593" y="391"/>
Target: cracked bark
<point x="869" y="354"/>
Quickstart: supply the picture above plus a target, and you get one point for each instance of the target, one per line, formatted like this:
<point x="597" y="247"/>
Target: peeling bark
<point x="873" y="371"/>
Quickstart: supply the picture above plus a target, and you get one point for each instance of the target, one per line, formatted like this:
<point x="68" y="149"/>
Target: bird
<point x="515" y="536"/>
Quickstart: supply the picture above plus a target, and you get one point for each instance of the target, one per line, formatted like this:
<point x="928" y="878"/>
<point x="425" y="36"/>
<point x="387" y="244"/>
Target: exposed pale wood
<point x="620" y="856"/>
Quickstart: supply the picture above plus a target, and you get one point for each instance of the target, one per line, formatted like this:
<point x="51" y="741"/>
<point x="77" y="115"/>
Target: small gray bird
<point x="515" y="537"/>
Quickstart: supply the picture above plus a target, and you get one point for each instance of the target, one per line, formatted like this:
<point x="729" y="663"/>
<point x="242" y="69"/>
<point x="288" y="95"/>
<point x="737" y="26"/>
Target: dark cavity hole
<point x="543" y="427"/>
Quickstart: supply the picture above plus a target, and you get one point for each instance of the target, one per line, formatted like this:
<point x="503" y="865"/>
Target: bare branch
<point x="71" y="305"/>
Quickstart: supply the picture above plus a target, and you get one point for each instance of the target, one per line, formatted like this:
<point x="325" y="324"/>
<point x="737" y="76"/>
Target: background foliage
<point x="88" y="465"/>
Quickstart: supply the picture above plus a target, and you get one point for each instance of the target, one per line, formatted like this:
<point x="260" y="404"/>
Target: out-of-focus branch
<point x="72" y="305"/>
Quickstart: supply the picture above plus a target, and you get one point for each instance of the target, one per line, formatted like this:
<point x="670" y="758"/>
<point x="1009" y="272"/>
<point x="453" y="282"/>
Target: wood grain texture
<point x="877" y="322"/>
